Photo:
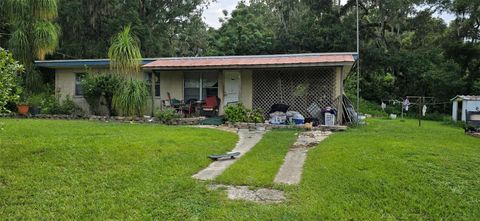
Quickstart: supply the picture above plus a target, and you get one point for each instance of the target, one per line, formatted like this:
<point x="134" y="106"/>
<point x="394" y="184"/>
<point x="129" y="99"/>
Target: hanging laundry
<point x="383" y="106"/>
<point x="406" y="103"/>
<point x="424" y="110"/>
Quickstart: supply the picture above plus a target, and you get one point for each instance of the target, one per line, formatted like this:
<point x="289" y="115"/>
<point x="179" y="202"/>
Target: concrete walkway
<point x="247" y="139"/>
<point x="290" y="172"/>
<point x="262" y="195"/>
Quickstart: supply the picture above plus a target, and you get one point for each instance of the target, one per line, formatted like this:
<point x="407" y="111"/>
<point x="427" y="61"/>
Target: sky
<point x="214" y="12"/>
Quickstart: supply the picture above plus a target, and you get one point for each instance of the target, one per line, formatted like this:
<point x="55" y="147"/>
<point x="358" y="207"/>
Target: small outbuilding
<point x="466" y="108"/>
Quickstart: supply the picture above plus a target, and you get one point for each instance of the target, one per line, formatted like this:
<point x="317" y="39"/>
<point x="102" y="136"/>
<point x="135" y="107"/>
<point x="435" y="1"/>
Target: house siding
<point x="65" y="87"/>
<point x="246" y="89"/>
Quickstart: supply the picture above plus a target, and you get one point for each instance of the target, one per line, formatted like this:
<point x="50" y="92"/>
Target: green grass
<point x="259" y="166"/>
<point x="82" y="170"/>
<point x="394" y="170"/>
<point x="85" y="170"/>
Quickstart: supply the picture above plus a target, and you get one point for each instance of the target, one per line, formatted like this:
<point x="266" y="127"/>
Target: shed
<point x="466" y="108"/>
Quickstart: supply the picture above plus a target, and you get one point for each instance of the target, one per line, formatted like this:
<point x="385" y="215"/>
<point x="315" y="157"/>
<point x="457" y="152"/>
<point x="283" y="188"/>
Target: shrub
<point x="10" y="89"/>
<point x="166" y="114"/>
<point x="52" y="105"/>
<point x="96" y="86"/>
<point x="238" y="113"/>
<point x="254" y="116"/>
<point x="35" y="100"/>
<point x="235" y="113"/>
<point x="131" y="98"/>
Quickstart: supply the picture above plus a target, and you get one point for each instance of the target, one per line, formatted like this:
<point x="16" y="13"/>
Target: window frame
<point x="153" y="80"/>
<point x="201" y="86"/>
<point x="78" y="89"/>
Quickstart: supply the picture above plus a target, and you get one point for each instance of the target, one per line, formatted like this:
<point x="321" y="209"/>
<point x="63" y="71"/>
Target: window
<point x="200" y="85"/>
<point x="156" y="81"/>
<point x="153" y="80"/>
<point x="78" y="84"/>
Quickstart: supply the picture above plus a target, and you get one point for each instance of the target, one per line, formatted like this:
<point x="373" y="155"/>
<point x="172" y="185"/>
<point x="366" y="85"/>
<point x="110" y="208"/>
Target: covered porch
<point x="306" y="82"/>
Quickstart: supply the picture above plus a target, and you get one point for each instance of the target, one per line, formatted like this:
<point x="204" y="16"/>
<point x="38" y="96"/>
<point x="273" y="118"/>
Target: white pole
<point x="358" y="64"/>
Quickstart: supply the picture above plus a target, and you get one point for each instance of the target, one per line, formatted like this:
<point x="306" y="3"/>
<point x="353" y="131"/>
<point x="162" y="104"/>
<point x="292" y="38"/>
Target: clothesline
<point x="401" y="102"/>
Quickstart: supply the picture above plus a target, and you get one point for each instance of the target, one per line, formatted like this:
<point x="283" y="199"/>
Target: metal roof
<point x="254" y="61"/>
<point x="466" y="97"/>
<point x="81" y="63"/>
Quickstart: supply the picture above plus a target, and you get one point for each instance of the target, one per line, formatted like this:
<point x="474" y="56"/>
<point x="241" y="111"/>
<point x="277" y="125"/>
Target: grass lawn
<point x="90" y="170"/>
<point x="259" y="166"/>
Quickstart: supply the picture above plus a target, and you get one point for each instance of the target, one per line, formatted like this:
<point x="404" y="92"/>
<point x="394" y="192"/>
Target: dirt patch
<point x="310" y="139"/>
<point x="262" y="195"/>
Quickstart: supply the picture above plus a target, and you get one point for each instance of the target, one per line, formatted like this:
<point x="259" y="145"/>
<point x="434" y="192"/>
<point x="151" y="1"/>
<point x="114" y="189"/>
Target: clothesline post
<point x="420" y="101"/>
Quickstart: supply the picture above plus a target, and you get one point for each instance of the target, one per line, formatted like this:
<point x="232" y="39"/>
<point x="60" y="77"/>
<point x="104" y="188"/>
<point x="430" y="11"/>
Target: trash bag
<point x="278" y="118"/>
<point x="279" y="108"/>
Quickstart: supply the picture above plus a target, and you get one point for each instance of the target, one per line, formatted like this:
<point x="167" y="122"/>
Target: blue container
<point x="299" y="121"/>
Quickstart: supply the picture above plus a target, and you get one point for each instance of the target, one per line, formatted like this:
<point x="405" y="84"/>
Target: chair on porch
<point x="173" y="103"/>
<point x="189" y="109"/>
<point x="210" y="107"/>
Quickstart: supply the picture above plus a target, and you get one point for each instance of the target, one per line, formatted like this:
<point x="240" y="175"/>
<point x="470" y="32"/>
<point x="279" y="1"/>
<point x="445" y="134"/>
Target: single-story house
<point x="466" y="108"/>
<point x="306" y="82"/>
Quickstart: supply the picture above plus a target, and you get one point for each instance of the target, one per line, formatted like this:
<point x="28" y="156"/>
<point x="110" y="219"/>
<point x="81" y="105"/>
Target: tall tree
<point x="248" y="31"/>
<point x="34" y="33"/>
<point x="462" y="43"/>
<point x="88" y="25"/>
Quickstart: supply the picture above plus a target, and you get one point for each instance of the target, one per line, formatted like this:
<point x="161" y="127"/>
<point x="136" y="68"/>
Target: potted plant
<point x="22" y="108"/>
<point x="35" y="102"/>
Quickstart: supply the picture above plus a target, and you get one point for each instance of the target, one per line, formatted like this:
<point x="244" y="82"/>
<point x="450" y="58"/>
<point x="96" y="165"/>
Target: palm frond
<point x="45" y="9"/>
<point x="20" y="45"/>
<point x="124" y="53"/>
<point x="131" y="99"/>
<point x="45" y="35"/>
<point x="17" y="9"/>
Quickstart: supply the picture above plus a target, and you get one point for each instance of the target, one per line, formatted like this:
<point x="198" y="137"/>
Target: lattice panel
<point x="302" y="89"/>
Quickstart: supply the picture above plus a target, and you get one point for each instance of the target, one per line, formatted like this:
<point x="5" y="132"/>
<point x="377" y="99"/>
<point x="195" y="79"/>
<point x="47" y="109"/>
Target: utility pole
<point x="358" y="63"/>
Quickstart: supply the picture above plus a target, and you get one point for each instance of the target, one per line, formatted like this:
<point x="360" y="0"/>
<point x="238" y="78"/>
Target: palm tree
<point x="124" y="53"/>
<point x="34" y="34"/>
<point x="125" y="60"/>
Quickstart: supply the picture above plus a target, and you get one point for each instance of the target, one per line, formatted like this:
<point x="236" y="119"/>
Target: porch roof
<point x="254" y="61"/>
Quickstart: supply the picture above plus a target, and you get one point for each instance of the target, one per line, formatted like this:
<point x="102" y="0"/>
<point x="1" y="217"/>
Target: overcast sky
<point x="214" y="12"/>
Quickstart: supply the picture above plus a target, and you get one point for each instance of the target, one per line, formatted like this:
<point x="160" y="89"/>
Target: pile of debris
<point x="310" y="139"/>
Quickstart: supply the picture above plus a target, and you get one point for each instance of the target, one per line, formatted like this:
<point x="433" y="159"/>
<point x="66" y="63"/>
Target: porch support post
<point x="339" y="93"/>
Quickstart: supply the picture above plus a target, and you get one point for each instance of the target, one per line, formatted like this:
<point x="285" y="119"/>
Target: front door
<point x="232" y="87"/>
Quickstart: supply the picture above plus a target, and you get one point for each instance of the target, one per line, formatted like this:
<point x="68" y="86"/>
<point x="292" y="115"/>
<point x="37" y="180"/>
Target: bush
<point x="238" y="113"/>
<point x="235" y="113"/>
<point x="166" y="114"/>
<point x="35" y="100"/>
<point x="131" y="98"/>
<point x="254" y="116"/>
<point x="95" y="86"/>
<point x="10" y="89"/>
<point x="52" y="105"/>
